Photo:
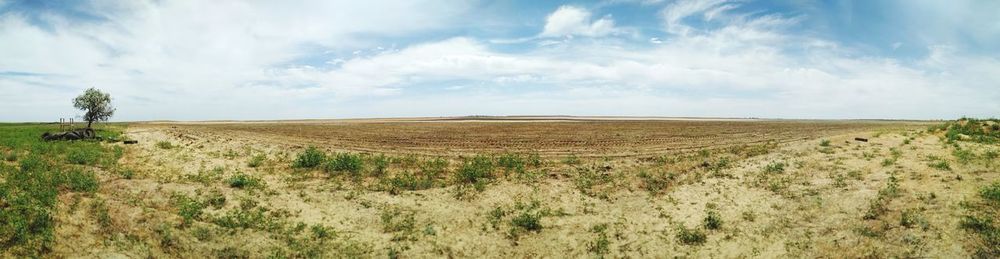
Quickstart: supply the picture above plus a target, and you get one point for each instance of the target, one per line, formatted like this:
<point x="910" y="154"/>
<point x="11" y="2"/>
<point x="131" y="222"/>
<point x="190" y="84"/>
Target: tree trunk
<point x="88" y="123"/>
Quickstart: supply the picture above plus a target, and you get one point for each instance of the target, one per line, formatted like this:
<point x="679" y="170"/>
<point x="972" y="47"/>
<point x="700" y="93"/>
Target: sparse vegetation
<point x="164" y="145"/>
<point x="203" y="201"/>
<point x="244" y="181"/>
<point x="691" y="236"/>
<point x="477" y="171"/>
<point x="345" y="162"/>
<point x="257" y="160"/>
<point x="310" y="158"/>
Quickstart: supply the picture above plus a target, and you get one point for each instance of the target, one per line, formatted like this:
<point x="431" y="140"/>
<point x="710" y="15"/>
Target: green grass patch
<point x="29" y="190"/>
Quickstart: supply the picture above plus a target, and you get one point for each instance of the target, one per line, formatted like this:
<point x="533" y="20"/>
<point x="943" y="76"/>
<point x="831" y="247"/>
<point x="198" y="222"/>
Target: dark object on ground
<point x="77" y="134"/>
<point x="131" y="142"/>
<point x="861" y="139"/>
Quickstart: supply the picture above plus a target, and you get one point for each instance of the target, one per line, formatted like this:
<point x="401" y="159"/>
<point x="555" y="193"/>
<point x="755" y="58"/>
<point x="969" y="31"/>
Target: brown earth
<point x="635" y="185"/>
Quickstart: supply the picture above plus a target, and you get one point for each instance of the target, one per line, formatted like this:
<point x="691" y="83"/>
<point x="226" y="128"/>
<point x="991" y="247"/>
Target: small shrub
<point x="713" y="220"/>
<point x="656" y="182"/>
<point x="691" y="236"/>
<point x="310" y="158"/>
<point x="215" y="199"/>
<point x="477" y="171"/>
<point x="345" y="162"/>
<point x="128" y="174"/>
<point x="434" y="167"/>
<point x="824" y="143"/>
<point x="164" y="145"/>
<point x="888" y="162"/>
<point x="188" y="208"/>
<point x="775" y="168"/>
<point x="379" y="165"/>
<point x="964" y="156"/>
<point x="257" y="160"/>
<point x="407" y="181"/>
<point x="911" y="218"/>
<point x="511" y="163"/>
<point x="241" y="181"/>
<point x="525" y="222"/>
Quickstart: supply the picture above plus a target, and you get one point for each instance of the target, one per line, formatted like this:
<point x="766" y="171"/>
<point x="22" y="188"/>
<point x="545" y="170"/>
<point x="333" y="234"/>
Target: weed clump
<point x="189" y="209"/>
<point x="241" y="180"/>
<point x="940" y="165"/>
<point x="824" y="143"/>
<point x="345" y="162"/>
<point x="257" y="160"/>
<point x="656" y="182"/>
<point x="310" y="158"/>
<point x="691" y="236"/>
<point x="400" y="222"/>
<point x="712" y="220"/>
<point x="511" y="163"/>
<point x="477" y="171"/>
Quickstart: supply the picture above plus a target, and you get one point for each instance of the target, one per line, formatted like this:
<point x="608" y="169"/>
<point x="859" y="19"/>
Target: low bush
<point x="407" y="181"/>
<point x="241" y="181"/>
<point x="476" y="171"/>
<point x="310" y="158"/>
<point x="189" y="209"/>
<point x="712" y="220"/>
<point x="345" y="162"/>
<point x="775" y="168"/>
<point x="380" y="164"/>
<point x="511" y="163"/>
<point x="691" y="236"/>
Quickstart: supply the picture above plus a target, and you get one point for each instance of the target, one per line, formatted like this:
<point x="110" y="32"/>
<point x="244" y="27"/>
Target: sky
<point x="250" y="60"/>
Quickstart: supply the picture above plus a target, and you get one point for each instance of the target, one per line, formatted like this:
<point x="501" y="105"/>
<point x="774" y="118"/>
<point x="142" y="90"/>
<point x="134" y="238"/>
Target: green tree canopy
<point x="97" y="104"/>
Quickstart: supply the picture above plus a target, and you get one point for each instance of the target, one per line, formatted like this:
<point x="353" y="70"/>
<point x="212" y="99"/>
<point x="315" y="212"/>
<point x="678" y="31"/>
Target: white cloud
<point x="165" y="60"/>
<point x="571" y="20"/>
<point x="171" y="59"/>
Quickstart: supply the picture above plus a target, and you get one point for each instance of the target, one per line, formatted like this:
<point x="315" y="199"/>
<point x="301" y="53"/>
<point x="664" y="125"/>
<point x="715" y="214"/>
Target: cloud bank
<point x="169" y="60"/>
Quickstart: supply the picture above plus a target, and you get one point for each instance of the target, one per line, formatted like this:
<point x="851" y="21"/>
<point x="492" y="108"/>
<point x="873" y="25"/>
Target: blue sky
<point x="203" y="60"/>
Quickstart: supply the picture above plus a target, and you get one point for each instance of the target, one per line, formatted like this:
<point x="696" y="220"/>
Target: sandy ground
<point x="815" y="207"/>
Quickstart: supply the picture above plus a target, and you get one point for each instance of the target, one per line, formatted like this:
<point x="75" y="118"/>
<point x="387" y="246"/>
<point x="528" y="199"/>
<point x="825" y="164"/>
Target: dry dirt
<point x="604" y="204"/>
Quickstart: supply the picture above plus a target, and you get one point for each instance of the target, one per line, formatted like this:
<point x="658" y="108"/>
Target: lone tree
<point x="97" y="104"/>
